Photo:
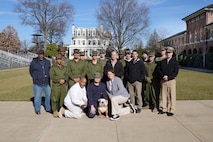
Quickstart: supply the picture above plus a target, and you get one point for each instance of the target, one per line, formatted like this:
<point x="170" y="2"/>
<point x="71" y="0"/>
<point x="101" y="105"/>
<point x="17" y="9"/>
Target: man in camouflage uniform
<point x="75" y="69"/>
<point x="59" y="85"/>
<point x="94" y="66"/>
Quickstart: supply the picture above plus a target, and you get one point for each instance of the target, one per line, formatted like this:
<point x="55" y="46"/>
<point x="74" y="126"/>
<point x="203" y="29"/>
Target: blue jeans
<point x="37" y="97"/>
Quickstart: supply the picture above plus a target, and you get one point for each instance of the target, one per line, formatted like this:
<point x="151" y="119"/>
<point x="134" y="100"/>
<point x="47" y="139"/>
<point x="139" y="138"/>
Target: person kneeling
<point x="95" y="92"/>
<point x="118" y="95"/>
<point x="75" y="100"/>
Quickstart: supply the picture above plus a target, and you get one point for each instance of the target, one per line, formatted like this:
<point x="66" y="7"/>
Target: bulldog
<point x="103" y="107"/>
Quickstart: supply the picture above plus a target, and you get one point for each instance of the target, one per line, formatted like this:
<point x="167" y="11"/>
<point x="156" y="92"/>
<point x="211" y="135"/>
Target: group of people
<point x="127" y="83"/>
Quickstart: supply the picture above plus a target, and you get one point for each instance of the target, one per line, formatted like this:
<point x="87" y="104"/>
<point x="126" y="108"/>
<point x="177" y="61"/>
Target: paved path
<point x="192" y="122"/>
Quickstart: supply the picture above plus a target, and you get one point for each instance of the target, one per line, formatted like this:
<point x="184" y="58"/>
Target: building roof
<point x="202" y="10"/>
<point x="175" y="35"/>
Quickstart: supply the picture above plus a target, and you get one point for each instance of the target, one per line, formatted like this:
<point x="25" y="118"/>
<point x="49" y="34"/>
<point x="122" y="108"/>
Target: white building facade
<point x="89" y="39"/>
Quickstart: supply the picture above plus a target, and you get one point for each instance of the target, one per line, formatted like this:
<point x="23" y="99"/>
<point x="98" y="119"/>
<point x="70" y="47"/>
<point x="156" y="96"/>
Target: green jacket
<point x="150" y="69"/>
<point x="93" y="68"/>
<point x="102" y="61"/>
<point x="75" y="69"/>
<point x="56" y="74"/>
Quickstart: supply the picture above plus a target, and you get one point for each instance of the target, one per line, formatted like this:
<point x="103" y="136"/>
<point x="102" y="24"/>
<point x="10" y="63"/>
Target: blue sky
<point x="165" y="16"/>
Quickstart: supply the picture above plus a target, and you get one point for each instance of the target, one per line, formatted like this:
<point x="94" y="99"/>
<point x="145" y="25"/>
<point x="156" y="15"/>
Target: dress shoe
<point x="38" y="112"/>
<point x="138" y="110"/>
<point x="49" y="111"/>
<point x="161" y="112"/>
<point x="170" y="114"/>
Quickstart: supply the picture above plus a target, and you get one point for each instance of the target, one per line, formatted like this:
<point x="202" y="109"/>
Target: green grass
<point x="192" y="85"/>
<point x="16" y="85"/>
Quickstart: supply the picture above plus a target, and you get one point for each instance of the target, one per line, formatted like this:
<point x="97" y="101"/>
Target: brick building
<point x="198" y="37"/>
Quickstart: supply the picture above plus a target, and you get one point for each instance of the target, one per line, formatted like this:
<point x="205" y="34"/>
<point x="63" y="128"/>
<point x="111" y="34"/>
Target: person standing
<point x="118" y="96"/>
<point x="39" y="71"/>
<point x="95" y="91"/>
<point x="75" y="100"/>
<point x="145" y="59"/>
<point x="157" y="84"/>
<point x="114" y="65"/>
<point x="75" y="69"/>
<point x="62" y="52"/>
<point x="94" y="66"/>
<point x="102" y="58"/>
<point x="59" y="85"/>
<point x="150" y="83"/>
<point x="135" y="77"/>
<point x="168" y="70"/>
<point x="128" y="58"/>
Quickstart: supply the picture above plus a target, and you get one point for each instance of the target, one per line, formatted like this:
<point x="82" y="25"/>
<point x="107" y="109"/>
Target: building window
<point x="73" y="42"/>
<point x="84" y="33"/>
<point x="89" y="42"/>
<point x="79" y="33"/>
<point x="190" y="37"/>
<point x="94" y="43"/>
<point x="195" y="36"/>
<point x="79" y="42"/>
<point x="93" y="33"/>
<point x="83" y="42"/>
<point x="211" y="14"/>
<point x="211" y="34"/>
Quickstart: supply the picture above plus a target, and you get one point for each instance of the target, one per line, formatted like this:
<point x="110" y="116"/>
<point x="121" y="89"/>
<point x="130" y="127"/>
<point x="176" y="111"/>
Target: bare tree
<point x="25" y="45"/>
<point x="9" y="39"/>
<point x="127" y="19"/>
<point x="47" y="16"/>
<point x="152" y="43"/>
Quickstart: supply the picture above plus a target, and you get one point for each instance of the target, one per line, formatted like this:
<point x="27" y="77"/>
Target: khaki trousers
<point x="168" y="92"/>
<point x="117" y="105"/>
<point x="135" y="91"/>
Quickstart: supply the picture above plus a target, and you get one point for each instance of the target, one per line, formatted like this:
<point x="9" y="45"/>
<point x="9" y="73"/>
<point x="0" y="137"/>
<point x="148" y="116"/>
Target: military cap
<point x="127" y="52"/>
<point x="152" y="54"/>
<point x="170" y="49"/>
<point x="62" y="49"/>
<point x="97" y="75"/>
<point x="102" y="51"/>
<point x="58" y="57"/>
<point x="94" y="53"/>
<point x="76" y="51"/>
<point x="82" y="53"/>
<point x="162" y="48"/>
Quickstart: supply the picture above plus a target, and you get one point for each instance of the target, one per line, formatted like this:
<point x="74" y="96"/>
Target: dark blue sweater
<point x="39" y="71"/>
<point x="96" y="92"/>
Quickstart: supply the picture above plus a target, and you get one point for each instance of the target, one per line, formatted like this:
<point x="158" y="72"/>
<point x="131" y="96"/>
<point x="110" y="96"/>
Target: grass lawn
<point x="193" y="85"/>
<point x="16" y="85"/>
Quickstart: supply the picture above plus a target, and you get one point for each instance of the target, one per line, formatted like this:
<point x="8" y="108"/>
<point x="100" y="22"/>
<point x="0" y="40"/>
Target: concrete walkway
<point x="192" y="122"/>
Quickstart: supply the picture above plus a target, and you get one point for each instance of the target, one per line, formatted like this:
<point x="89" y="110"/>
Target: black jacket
<point x="135" y="71"/>
<point x="118" y="68"/>
<point x="170" y="69"/>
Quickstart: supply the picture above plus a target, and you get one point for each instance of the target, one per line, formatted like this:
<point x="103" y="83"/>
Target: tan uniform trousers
<point x="135" y="91"/>
<point x="168" y="92"/>
<point x="117" y="105"/>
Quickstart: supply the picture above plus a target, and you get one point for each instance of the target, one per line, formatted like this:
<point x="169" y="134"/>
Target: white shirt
<point x="76" y="95"/>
